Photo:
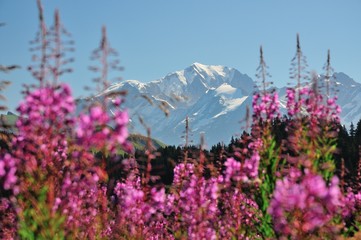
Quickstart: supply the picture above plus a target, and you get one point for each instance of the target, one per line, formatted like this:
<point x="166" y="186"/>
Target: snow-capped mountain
<point x="215" y="99"/>
<point x="349" y="98"/>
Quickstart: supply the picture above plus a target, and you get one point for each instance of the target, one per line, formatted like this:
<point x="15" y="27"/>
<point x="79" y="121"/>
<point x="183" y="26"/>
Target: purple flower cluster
<point x="8" y="178"/>
<point x="236" y="171"/>
<point x="181" y="174"/>
<point x="139" y="214"/>
<point x="195" y="208"/>
<point x="303" y="205"/>
<point x="320" y="109"/>
<point x="312" y="101"/>
<point x="358" y="200"/>
<point x="233" y="170"/>
<point x="195" y="203"/>
<point x="94" y="129"/>
<point x="265" y="106"/>
<point x="46" y="106"/>
<point x="333" y="109"/>
<point x="8" y="219"/>
<point x="45" y="119"/>
<point x="240" y="215"/>
<point x="77" y="201"/>
<point x="295" y="100"/>
<point x="352" y="204"/>
<point x="53" y="150"/>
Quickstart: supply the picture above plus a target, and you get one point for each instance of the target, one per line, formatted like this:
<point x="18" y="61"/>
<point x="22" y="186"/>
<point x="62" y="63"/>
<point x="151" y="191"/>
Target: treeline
<point x="165" y="158"/>
<point x="349" y="149"/>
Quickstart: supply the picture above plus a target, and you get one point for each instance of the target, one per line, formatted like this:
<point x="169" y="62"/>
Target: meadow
<point x="54" y="182"/>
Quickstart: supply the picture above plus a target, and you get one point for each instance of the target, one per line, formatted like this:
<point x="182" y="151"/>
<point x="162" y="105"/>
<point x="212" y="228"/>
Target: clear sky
<point x="156" y="37"/>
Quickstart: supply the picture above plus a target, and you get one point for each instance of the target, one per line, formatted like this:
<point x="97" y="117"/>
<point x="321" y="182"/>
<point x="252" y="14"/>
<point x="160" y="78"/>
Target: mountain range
<point x="214" y="98"/>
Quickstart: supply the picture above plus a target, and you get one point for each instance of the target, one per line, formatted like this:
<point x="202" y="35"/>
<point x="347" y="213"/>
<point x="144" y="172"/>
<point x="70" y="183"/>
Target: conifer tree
<point x="358" y="133"/>
<point x="352" y="130"/>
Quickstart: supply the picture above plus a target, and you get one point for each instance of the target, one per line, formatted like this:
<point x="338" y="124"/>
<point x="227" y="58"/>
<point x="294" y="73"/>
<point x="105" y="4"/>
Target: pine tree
<point x="358" y="133"/>
<point x="352" y="130"/>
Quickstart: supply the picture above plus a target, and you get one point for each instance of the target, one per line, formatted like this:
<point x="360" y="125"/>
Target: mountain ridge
<point x="215" y="98"/>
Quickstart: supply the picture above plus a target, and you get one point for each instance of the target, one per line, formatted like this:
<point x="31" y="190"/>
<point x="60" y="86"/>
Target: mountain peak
<point x="208" y="67"/>
<point x="214" y="97"/>
<point x="197" y="64"/>
<point x="209" y="70"/>
<point x="344" y="79"/>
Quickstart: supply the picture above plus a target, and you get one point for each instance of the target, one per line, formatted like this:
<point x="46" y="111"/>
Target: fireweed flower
<point x="182" y="172"/>
<point x="233" y="170"/>
<point x="8" y="168"/>
<point x="295" y="100"/>
<point x="312" y="101"/>
<point x="358" y="200"/>
<point x="45" y="117"/>
<point x="302" y="206"/>
<point x="265" y="106"/>
<point x="46" y="106"/>
<point x="352" y="204"/>
<point x="140" y="215"/>
<point x="45" y="158"/>
<point x="239" y="214"/>
<point x="349" y="204"/>
<point x="237" y="171"/>
<point x="198" y="207"/>
<point x="8" y="219"/>
<point x="320" y="111"/>
<point x="54" y="144"/>
<point x="195" y="203"/>
<point x="78" y="201"/>
<point x="98" y="129"/>
<point x="334" y="109"/>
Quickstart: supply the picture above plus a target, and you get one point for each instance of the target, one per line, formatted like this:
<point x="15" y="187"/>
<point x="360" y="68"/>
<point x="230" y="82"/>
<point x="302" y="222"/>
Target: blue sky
<point x="156" y="37"/>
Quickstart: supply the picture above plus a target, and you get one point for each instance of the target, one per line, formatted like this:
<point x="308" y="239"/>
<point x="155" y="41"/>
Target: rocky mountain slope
<point x="215" y="99"/>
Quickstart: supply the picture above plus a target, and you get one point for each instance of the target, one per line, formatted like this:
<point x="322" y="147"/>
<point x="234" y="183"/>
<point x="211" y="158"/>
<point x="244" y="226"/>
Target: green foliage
<point x="269" y="165"/>
<point x="37" y="220"/>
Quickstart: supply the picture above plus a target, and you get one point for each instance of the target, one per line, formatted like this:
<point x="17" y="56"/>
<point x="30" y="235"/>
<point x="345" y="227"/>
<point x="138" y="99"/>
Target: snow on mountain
<point x="215" y="99"/>
<point x="349" y="98"/>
